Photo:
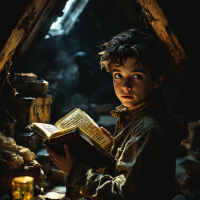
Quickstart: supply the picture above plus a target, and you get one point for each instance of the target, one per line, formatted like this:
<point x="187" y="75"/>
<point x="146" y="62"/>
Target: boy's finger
<point x="67" y="150"/>
<point x="106" y="132"/>
<point x="103" y="129"/>
<point x="50" y="151"/>
<point x="47" y="147"/>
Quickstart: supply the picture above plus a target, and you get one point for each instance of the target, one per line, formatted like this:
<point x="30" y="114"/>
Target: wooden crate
<point x="29" y="109"/>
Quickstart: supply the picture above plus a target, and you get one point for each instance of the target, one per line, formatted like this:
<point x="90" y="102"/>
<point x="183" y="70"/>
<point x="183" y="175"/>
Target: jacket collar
<point x="154" y="103"/>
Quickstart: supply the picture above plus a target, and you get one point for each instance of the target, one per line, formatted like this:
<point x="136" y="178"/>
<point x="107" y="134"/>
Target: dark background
<point x="70" y="63"/>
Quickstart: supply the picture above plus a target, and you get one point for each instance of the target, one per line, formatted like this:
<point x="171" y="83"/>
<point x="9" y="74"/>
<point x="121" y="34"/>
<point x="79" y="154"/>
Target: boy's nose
<point x="126" y="85"/>
<point x="126" y="88"/>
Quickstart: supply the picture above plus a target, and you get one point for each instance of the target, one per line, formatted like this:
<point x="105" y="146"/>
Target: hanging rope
<point x="8" y="66"/>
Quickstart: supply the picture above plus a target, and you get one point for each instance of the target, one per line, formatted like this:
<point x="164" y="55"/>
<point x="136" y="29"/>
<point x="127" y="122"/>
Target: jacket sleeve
<point x="138" y="167"/>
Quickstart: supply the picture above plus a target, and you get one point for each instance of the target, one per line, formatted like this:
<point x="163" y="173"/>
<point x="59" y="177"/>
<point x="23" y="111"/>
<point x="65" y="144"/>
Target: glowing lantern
<point x="23" y="188"/>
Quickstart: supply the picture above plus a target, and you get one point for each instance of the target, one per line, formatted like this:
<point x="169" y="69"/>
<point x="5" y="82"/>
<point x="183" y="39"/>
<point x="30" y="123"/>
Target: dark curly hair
<point x="149" y="50"/>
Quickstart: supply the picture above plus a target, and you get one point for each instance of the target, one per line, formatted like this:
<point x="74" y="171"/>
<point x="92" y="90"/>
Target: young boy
<point x="143" y="140"/>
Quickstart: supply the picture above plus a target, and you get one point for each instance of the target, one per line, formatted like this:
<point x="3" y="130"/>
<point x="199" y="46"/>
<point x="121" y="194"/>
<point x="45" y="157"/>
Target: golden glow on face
<point x="132" y="83"/>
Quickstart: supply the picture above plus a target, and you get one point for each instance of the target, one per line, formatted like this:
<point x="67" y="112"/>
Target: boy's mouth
<point x="127" y="97"/>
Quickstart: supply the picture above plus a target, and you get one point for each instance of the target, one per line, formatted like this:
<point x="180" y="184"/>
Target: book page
<point x="72" y="119"/>
<point x="91" y="119"/>
<point x="89" y="127"/>
<point x="57" y="124"/>
<point x="48" y="129"/>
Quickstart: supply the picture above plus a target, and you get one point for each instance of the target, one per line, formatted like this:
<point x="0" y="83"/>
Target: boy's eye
<point x="118" y="76"/>
<point x="137" y="76"/>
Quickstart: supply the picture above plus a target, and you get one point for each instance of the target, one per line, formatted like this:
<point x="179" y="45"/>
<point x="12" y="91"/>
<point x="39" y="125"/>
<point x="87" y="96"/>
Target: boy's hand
<point x="64" y="163"/>
<point x="106" y="132"/>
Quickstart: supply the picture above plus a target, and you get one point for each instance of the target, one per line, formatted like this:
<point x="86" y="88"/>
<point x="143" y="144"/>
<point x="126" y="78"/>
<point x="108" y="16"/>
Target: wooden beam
<point x="162" y="28"/>
<point x="41" y="26"/>
<point x="21" y="30"/>
<point x="186" y="77"/>
<point x="43" y="23"/>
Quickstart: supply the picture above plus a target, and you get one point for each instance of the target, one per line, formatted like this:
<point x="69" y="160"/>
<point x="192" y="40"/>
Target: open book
<point x="86" y="140"/>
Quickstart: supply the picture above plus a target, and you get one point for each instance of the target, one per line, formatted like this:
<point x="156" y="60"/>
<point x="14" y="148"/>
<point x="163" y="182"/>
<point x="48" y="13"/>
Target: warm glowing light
<point x="22" y="188"/>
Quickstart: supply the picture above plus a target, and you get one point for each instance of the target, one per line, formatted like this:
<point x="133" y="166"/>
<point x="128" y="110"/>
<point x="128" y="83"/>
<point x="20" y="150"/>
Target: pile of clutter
<point x="188" y="165"/>
<point x="12" y="156"/>
<point x="16" y="161"/>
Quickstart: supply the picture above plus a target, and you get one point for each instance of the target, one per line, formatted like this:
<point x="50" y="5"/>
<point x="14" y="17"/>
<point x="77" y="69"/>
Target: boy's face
<point x="132" y="83"/>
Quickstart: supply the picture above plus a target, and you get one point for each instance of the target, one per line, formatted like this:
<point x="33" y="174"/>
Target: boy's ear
<point x="159" y="80"/>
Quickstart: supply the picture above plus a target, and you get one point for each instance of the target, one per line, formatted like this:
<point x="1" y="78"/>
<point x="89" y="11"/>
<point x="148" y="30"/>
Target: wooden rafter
<point x="186" y="76"/>
<point x="21" y="30"/>
<point x="162" y="28"/>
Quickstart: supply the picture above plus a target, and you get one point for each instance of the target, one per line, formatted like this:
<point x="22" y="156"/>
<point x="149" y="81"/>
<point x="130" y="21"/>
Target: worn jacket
<point x="144" y="148"/>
